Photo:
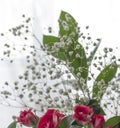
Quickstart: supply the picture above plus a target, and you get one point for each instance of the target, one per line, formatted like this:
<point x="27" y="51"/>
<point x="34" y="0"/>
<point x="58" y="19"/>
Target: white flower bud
<point x="70" y="53"/>
<point x="77" y="55"/>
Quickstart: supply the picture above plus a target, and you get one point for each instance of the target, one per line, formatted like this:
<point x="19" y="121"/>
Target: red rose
<point x="27" y="118"/>
<point x="82" y="114"/>
<point x="97" y="121"/>
<point x="50" y="119"/>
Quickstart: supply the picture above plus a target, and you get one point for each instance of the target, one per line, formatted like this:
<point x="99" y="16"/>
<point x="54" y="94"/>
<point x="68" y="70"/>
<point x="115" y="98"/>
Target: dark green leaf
<point x="96" y="107"/>
<point x="98" y="110"/>
<point x="12" y="125"/>
<point x="101" y="82"/>
<point x="66" y="122"/>
<point x="68" y="26"/>
<point x="79" y="63"/>
<point x="113" y="121"/>
<point x="92" y="102"/>
<point x="102" y="111"/>
<point x="75" y="126"/>
<point x="60" y="55"/>
<point x="117" y="126"/>
<point x="50" y="41"/>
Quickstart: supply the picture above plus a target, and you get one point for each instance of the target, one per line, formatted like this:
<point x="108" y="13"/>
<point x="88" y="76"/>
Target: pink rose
<point x="82" y="114"/>
<point x="50" y="119"/>
<point x="27" y="118"/>
<point x="97" y="121"/>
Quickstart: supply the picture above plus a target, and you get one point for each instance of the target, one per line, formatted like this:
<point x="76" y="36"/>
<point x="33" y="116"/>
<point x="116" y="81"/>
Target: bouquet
<point x="72" y="103"/>
<point x="83" y="117"/>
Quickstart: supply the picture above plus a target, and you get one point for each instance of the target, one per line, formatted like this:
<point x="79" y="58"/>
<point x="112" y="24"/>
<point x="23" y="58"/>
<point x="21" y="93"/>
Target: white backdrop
<point x="101" y="15"/>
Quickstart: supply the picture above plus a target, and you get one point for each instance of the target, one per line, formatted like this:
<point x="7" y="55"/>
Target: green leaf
<point x="79" y="64"/>
<point x="96" y="107"/>
<point x="76" y="126"/>
<point x="50" y="41"/>
<point x="90" y="58"/>
<point x="92" y="102"/>
<point x="66" y="122"/>
<point x="98" y="110"/>
<point x="12" y="125"/>
<point x="102" y="80"/>
<point x="68" y="26"/>
<point x="117" y="126"/>
<point x="113" y="121"/>
<point x="102" y="111"/>
<point x="60" y="55"/>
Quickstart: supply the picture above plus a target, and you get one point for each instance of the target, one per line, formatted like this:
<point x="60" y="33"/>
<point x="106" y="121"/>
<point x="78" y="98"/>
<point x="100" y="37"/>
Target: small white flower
<point x="73" y="34"/>
<point x="63" y="38"/>
<point x="77" y="29"/>
<point x="67" y="17"/>
<point x="77" y="46"/>
<point x="61" y="91"/>
<point x="55" y="49"/>
<point x="69" y="41"/>
<point x="101" y="83"/>
<point x="80" y="69"/>
<point x="56" y="99"/>
<point x="78" y="74"/>
<point x="82" y="80"/>
<point x="70" y="53"/>
<point x="72" y="69"/>
<point x="65" y="25"/>
<point x="77" y="55"/>
<point x="62" y="44"/>
<point x="112" y="65"/>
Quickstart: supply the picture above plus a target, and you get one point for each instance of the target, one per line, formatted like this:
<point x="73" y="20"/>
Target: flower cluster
<point x="83" y="116"/>
<point x="51" y="119"/>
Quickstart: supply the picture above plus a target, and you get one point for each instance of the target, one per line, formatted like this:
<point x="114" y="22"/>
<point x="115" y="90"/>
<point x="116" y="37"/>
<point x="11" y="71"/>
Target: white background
<point x="103" y="17"/>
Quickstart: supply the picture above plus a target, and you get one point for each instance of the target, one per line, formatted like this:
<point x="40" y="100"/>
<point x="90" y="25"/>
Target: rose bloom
<point x="27" y="118"/>
<point x="97" y="121"/>
<point x="50" y="119"/>
<point x="82" y="114"/>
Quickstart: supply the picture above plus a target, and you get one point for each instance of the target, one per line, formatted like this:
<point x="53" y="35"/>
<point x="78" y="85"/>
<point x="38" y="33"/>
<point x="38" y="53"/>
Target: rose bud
<point x="27" y="118"/>
<point x="97" y="121"/>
